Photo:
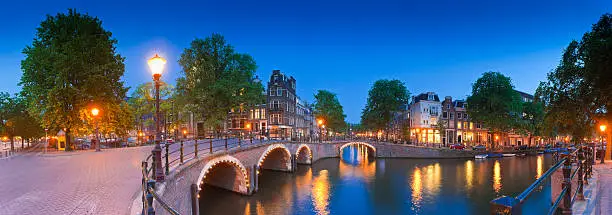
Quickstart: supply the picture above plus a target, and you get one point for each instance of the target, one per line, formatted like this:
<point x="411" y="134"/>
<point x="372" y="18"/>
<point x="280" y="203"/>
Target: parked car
<point x="457" y="146"/>
<point x="479" y="148"/>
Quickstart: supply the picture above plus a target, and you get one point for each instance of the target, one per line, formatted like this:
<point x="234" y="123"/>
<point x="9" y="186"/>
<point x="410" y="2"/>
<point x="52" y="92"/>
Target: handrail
<point x="521" y="197"/>
<point x="554" y="207"/>
<point x="148" y="190"/>
<point x="582" y="157"/>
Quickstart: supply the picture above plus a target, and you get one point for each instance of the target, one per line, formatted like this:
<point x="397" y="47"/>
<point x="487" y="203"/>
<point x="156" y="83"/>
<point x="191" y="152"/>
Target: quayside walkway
<point x="598" y="193"/>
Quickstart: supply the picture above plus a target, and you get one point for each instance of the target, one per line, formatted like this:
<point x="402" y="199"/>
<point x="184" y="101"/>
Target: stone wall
<point x="407" y="151"/>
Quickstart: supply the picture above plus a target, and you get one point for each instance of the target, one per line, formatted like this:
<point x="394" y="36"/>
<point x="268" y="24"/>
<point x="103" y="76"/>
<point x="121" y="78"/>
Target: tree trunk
<point x="68" y="142"/>
<point x="12" y="142"/>
<point x="22" y="143"/>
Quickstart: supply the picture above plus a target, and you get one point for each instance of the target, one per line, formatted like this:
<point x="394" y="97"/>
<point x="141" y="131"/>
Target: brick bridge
<point x="237" y="170"/>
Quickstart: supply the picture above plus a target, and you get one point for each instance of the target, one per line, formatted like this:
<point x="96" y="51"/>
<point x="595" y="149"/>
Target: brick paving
<point x="598" y="193"/>
<point x="83" y="182"/>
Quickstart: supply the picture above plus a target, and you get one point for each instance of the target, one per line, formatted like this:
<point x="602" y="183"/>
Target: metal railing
<point x="175" y="155"/>
<point x="578" y="163"/>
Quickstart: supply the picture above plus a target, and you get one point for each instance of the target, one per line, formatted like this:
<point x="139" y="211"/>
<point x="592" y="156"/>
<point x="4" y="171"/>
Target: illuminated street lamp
<point x="184" y="133"/>
<point x="156" y="64"/>
<point x="95" y="112"/>
<point x="46" y="140"/>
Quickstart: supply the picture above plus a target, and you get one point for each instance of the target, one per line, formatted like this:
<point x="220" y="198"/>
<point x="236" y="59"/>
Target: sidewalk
<point x="598" y="193"/>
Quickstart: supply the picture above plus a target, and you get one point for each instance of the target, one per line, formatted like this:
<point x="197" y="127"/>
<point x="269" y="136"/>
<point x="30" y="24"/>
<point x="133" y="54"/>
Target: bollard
<point x="580" y="164"/>
<point x="251" y="139"/>
<point x="225" y="142"/>
<point x="196" y="149"/>
<point x="194" y="199"/>
<point x="150" y="209"/>
<point x="210" y="146"/>
<point x="239" y="140"/>
<point x="167" y="163"/>
<point x="566" y="207"/>
<point x="181" y="152"/>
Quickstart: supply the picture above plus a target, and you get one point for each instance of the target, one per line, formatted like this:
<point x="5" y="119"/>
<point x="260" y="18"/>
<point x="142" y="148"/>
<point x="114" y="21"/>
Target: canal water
<point x="356" y="184"/>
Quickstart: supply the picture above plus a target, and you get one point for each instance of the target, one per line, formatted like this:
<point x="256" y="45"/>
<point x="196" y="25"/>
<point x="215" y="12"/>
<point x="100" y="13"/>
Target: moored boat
<point x="509" y="155"/>
<point x="483" y="156"/>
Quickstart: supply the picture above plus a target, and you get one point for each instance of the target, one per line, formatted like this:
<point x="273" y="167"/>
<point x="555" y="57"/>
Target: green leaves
<point x="578" y="92"/>
<point x="217" y="79"/>
<point x="71" y="65"/>
<point x="328" y="108"/>
<point x="384" y="98"/>
<point x="494" y="102"/>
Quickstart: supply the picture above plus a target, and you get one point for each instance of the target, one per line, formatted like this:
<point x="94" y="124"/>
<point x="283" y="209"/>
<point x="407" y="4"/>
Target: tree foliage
<point x="578" y="92"/>
<point x="384" y="98"/>
<point x="494" y="102"/>
<point x="328" y="108"/>
<point x="15" y="120"/>
<point x="71" y="65"/>
<point x="217" y="79"/>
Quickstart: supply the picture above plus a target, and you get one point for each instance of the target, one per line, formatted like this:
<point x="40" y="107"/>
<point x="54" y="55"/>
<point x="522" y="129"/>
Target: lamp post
<point x="321" y="126"/>
<point x="156" y="64"/>
<point x="603" y="128"/>
<point x="94" y="113"/>
<point x="248" y="127"/>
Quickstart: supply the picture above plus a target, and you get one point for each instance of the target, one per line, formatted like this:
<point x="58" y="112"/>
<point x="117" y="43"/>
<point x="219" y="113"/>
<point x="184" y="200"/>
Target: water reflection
<point x="355" y="184"/>
<point x="417" y="188"/>
<point x="469" y="174"/>
<point x="539" y="166"/>
<point x="497" y="185"/>
<point x="320" y="193"/>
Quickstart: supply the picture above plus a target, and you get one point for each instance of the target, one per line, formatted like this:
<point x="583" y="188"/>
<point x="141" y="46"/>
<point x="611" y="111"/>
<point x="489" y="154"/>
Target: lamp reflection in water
<point x="417" y="188"/>
<point x="469" y="174"/>
<point x="426" y="181"/>
<point x="539" y="167"/>
<point x="320" y="193"/>
<point x="497" y="177"/>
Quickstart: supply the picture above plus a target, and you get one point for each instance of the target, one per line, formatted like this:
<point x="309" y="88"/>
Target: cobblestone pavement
<point x="84" y="182"/>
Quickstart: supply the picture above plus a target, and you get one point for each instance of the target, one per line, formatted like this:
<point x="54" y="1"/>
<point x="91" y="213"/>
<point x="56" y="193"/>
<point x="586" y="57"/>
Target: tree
<point x="328" y="108"/>
<point x="532" y="117"/>
<point x="495" y="103"/>
<point x="142" y="103"/>
<point x="216" y="80"/>
<point x="71" y="65"/>
<point x="15" y="120"/>
<point x="384" y="98"/>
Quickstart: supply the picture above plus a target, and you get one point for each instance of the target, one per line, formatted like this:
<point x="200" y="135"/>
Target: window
<point x="452" y="116"/>
<point x="458" y="125"/>
<point x="275" y="105"/>
<point x="279" y="92"/>
<point x="458" y="115"/>
<point x="263" y="114"/>
<point x="465" y="115"/>
<point x="447" y="106"/>
<point x="465" y="125"/>
<point x="271" y="90"/>
<point x="256" y="114"/>
<point x="444" y="115"/>
<point x="252" y="114"/>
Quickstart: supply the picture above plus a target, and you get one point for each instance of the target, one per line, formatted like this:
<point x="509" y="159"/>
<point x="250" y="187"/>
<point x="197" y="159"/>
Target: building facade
<point x="425" y="110"/>
<point x="281" y="102"/>
<point x="458" y="128"/>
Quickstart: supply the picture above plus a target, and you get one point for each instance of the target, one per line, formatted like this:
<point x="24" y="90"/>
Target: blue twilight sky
<point x="342" y="46"/>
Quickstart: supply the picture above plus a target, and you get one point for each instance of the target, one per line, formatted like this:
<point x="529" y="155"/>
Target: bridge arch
<point x="275" y="157"/>
<point x="225" y="172"/>
<point x="367" y="145"/>
<point x="303" y="154"/>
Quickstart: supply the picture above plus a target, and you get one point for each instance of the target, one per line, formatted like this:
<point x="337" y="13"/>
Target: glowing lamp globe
<point x="95" y="111"/>
<point x="602" y="128"/>
<point x="156" y="64"/>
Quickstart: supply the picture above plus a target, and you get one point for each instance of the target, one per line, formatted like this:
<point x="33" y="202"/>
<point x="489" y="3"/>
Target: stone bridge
<point x="237" y="170"/>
